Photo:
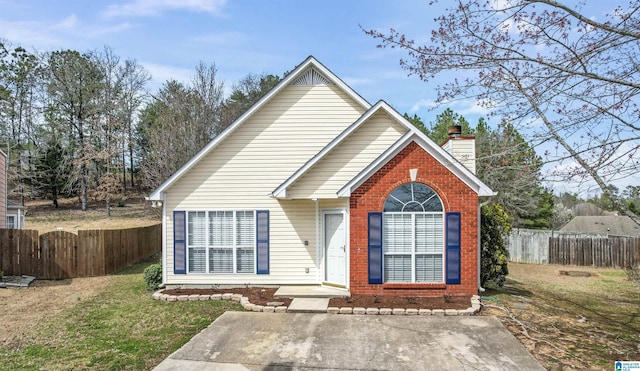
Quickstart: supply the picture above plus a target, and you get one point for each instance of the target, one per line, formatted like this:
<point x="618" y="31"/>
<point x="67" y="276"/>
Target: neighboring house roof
<point x="612" y="225"/>
<point x="310" y="62"/>
<point x="413" y="134"/>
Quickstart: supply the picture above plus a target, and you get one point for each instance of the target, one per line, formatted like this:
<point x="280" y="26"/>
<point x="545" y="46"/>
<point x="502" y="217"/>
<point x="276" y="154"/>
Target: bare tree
<point x="74" y="87"/>
<point x="549" y="68"/>
<point x="134" y="81"/>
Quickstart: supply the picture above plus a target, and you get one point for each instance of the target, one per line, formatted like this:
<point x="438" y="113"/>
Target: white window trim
<point x="413" y="252"/>
<point x="207" y="245"/>
<point x="13" y="217"/>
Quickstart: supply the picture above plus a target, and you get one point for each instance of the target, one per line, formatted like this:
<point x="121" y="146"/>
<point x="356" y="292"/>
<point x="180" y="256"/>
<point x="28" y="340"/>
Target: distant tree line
<point x="84" y="124"/>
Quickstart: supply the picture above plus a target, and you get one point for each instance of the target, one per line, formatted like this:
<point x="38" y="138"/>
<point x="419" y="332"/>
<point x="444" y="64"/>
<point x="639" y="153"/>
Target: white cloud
<point x="148" y="8"/>
<point x="427" y="103"/>
<point x="68" y="23"/>
<point x="161" y="73"/>
<point x="472" y="107"/>
<point x="224" y="38"/>
<point x="29" y="34"/>
<point x="63" y="33"/>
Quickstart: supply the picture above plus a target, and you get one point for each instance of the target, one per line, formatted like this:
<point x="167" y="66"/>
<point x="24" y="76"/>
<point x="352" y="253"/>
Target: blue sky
<point x="170" y="37"/>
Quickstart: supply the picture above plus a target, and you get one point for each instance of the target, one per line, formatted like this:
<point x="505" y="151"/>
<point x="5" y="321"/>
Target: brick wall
<point x="455" y="196"/>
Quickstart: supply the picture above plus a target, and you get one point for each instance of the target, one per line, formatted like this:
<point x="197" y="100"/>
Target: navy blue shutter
<point x="453" y="248"/>
<point x="179" y="242"/>
<point x="262" y="241"/>
<point x="375" y="247"/>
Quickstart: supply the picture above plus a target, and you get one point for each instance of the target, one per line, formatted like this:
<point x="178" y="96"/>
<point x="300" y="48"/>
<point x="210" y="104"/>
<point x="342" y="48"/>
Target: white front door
<point x="335" y="248"/>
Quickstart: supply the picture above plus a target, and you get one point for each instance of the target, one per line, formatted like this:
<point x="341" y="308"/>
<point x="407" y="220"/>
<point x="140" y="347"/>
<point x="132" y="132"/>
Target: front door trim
<point x="345" y="221"/>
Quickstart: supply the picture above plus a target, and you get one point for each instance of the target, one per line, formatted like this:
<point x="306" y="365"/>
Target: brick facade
<point x="455" y="195"/>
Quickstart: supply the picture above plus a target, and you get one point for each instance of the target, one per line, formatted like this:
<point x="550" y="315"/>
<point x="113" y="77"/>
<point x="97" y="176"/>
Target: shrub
<point x="633" y="274"/>
<point x="495" y="231"/>
<point x="153" y="276"/>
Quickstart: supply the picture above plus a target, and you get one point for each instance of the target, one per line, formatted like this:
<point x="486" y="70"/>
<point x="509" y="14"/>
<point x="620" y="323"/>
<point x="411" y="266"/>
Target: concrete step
<point x="308" y="305"/>
<point x="311" y="291"/>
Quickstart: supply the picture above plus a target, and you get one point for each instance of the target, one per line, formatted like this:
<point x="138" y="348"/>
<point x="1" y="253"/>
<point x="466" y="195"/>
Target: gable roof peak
<point x="300" y="69"/>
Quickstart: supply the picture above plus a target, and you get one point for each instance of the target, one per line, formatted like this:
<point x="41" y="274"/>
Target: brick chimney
<point x="462" y="148"/>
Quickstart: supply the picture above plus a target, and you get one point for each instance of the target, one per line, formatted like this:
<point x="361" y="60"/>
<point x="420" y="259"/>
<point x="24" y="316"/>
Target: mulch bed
<point x="263" y="296"/>
<point x="256" y="295"/>
<point x="370" y="301"/>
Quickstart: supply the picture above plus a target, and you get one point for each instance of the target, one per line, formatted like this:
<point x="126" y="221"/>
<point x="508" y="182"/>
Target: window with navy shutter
<point x="221" y="242"/>
<point x="262" y="241"/>
<point x="453" y="248"/>
<point x="413" y="235"/>
<point x="375" y="247"/>
<point x="179" y="243"/>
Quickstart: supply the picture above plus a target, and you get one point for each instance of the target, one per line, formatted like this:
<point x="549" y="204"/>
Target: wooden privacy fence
<point x="529" y="246"/>
<point x="60" y="254"/>
<point x="611" y="251"/>
<point x="553" y="247"/>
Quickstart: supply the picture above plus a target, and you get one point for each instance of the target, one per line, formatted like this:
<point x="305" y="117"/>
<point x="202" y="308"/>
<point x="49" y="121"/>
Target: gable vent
<point x="311" y="77"/>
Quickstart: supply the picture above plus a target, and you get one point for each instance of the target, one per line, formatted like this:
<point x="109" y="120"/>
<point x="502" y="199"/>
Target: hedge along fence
<point x="60" y="254"/>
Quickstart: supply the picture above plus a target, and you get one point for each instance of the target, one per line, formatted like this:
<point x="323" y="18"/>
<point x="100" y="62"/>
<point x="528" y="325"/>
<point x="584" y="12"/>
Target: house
<point x="15" y="215"/>
<point x="314" y="185"/>
<point x="603" y="225"/>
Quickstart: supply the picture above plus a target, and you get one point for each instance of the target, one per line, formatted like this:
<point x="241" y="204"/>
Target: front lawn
<point x="120" y="328"/>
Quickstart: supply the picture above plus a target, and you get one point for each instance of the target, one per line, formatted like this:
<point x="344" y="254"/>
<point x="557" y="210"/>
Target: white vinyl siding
<point x="257" y="157"/>
<point x="221" y="241"/>
<point x="348" y="159"/>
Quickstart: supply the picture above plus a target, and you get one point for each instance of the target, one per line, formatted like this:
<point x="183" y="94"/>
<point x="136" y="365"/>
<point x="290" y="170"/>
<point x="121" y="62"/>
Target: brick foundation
<point x="455" y="195"/>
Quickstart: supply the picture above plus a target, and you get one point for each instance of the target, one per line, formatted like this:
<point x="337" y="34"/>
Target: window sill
<point x="414" y="286"/>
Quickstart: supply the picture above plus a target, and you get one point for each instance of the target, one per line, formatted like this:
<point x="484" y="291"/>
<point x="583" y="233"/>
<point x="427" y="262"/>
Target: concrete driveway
<point x="285" y="341"/>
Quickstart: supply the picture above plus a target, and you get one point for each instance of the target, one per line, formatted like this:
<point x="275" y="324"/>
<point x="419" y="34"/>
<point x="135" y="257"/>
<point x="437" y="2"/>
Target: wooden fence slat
<point x="549" y="247"/>
<point x="61" y="254"/>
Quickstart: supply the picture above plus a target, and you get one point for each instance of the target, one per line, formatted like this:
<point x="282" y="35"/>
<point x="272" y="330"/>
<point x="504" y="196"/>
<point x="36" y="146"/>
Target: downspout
<point x="318" y="262"/>
<point x="164" y="242"/>
<point x="480" y="288"/>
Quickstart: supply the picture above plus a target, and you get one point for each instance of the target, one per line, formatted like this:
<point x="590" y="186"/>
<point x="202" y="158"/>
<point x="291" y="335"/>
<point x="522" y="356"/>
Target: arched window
<point x="413" y="197"/>
<point x="413" y="234"/>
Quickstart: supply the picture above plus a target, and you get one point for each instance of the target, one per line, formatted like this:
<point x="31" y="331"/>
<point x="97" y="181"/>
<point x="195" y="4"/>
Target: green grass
<point x="121" y="328"/>
<point x="616" y="273"/>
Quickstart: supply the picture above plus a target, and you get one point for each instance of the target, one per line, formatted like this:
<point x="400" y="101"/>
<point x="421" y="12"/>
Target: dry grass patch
<point x="43" y="217"/>
<point x="120" y="327"/>
<point x="570" y="321"/>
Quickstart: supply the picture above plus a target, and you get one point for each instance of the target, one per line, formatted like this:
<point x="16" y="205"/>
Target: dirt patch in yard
<point x="23" y="308"/>
<point x="570" y="321"/>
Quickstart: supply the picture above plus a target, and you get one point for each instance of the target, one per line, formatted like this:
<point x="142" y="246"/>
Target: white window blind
<point x="413" y="247"/>
<point x="221" y="241"/>
<point x="397" y="233"/>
